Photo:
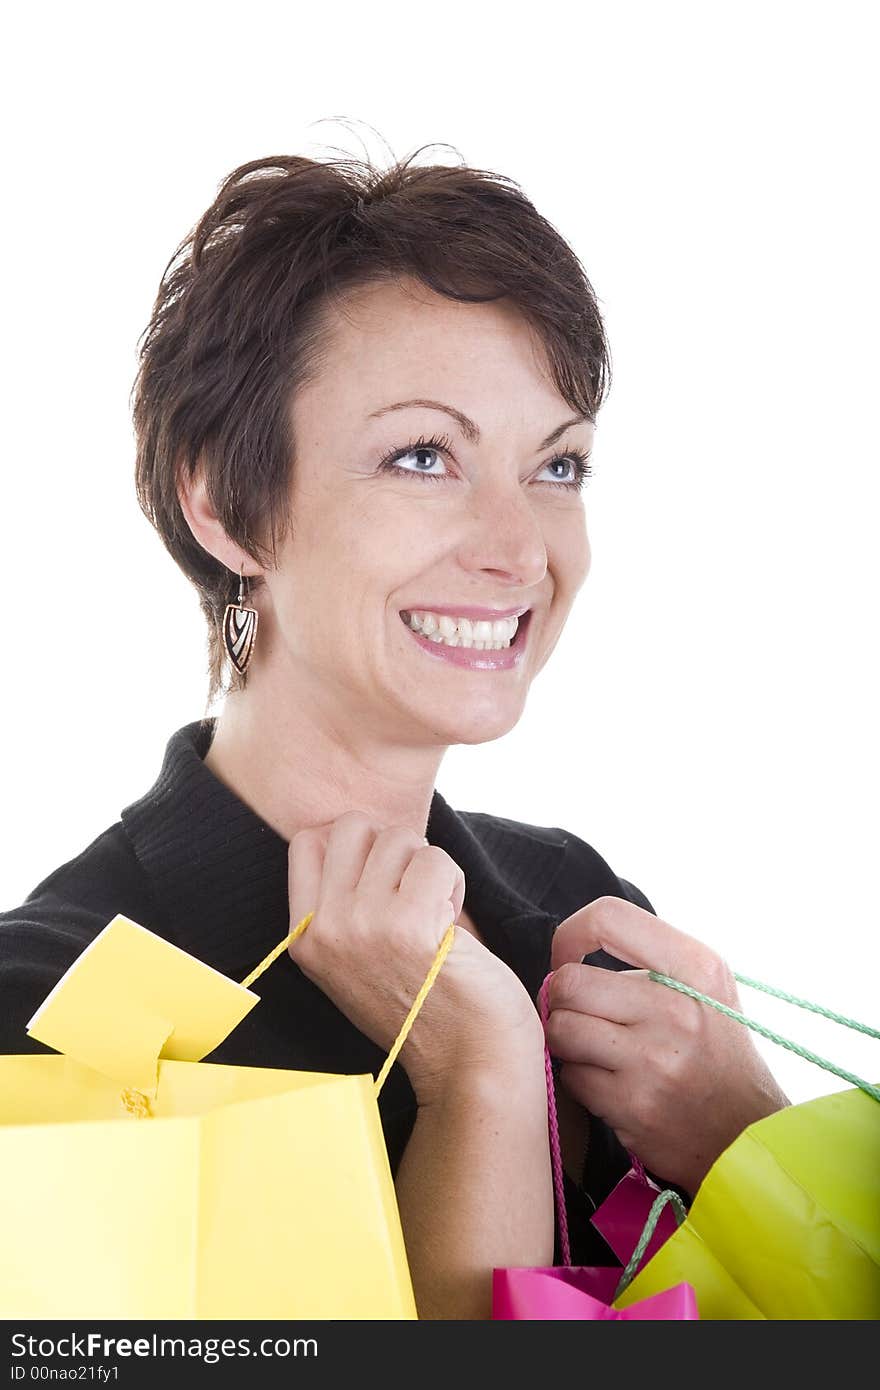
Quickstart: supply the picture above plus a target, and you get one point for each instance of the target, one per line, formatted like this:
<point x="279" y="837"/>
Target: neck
<point x="301" y="763"/>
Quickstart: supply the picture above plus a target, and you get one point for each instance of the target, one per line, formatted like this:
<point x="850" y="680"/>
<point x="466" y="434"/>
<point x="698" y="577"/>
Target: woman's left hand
<point x="675" y="1079"/>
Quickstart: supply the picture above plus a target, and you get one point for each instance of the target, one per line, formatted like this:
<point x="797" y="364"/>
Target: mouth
<point x="468" y="646"/>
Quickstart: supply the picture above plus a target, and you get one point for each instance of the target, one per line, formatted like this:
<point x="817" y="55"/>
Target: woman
<point x="364" y="414"/>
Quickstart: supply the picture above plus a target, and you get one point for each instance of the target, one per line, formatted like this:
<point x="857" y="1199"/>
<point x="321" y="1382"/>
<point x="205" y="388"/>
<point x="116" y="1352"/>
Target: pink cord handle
<point x="553" y="1127"/>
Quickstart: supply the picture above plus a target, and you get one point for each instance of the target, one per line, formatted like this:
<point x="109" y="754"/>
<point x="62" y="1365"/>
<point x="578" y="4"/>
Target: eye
<point x="420" y="451"/>
<point x="577" y="463"/>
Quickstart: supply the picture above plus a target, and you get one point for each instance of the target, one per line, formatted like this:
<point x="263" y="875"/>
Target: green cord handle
<point x="806" y="1004"/>
<point x="804" y="1052"/>
<point x="678" y="1206"/>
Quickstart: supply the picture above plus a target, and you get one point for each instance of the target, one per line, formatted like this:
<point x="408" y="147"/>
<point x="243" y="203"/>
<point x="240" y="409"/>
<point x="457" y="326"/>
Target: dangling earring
<point x="240" y="629"/>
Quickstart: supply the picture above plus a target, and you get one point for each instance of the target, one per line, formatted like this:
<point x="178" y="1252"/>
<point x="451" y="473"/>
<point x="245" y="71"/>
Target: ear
<point x="206" y="526"/>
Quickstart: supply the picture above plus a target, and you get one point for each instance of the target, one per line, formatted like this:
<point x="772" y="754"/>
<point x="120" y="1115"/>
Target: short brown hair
<point x="237" y="327"/>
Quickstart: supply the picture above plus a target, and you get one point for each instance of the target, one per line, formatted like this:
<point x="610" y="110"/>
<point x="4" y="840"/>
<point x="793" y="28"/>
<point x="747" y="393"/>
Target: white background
<point x="708" y="721"/>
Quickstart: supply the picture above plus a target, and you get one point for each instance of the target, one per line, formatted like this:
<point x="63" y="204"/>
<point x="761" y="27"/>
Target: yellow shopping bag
<point x="786" y="1224"/>
<point x="139" y="1182"/>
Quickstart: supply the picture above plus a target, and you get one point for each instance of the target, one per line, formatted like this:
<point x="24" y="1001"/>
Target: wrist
<point x="514" y="1077"/>
<point x="762" y="1099"/>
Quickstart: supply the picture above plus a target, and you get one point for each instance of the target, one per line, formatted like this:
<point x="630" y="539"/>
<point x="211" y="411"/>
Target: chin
<point x="480" y="726"/>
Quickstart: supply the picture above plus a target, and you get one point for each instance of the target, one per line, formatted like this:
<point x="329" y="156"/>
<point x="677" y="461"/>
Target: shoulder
<point x="43" y="936"/>
<point x="576" y="865"/>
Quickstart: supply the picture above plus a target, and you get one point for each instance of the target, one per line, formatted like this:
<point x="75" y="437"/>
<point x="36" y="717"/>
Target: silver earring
<point x="240" y="629"/>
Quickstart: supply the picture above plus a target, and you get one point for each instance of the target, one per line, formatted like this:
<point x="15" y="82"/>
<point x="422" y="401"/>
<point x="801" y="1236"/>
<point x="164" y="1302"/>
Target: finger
<point x="305" y="870"/>
<point x="596" y="1089"/>
<point x="587" y="1041"/>
<point x="388" y="859"/>
<point x="621" y="996"/>
<point x="348" y="844"/>
<point x="431" y="873"/>
<point x="631" y="934"/>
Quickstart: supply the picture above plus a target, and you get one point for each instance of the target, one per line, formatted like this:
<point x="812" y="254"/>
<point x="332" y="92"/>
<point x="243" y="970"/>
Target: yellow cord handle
<point x="138" y="1106"/>
<point x="442" y="952"/>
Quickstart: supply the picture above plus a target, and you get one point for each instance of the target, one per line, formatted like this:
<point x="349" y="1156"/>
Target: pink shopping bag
<point x="635" y="1219"/>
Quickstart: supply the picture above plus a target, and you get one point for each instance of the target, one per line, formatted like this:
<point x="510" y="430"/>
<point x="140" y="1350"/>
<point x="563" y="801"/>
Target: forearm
<point x="475" y="1190"/>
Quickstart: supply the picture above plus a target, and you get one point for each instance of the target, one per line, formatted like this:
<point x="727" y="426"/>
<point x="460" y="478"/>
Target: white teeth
<point x="482" y="635"/>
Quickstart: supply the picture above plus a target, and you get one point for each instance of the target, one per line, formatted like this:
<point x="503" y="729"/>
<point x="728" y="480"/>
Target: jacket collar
<point x="218" y="872"/>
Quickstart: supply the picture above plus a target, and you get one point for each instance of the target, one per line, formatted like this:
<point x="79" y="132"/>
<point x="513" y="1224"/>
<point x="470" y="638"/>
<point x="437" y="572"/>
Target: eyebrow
<point x="471" y="431"/>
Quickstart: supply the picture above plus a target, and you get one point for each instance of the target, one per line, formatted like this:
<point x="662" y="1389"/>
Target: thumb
<point x="629" y="933"/>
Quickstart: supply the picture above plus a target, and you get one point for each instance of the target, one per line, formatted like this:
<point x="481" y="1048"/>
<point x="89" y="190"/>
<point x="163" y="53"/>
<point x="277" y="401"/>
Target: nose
<point x="504" y="536"/>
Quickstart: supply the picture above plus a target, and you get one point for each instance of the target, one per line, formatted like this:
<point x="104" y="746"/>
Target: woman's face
<point x="478" y="524"/>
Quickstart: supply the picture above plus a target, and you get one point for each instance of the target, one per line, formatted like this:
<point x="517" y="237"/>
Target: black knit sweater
<point x="194" y="864"/>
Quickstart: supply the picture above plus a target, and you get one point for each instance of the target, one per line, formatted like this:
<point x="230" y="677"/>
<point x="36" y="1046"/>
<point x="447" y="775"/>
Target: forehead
<point x="402" y="335"/>
<point x="397" y="304"/>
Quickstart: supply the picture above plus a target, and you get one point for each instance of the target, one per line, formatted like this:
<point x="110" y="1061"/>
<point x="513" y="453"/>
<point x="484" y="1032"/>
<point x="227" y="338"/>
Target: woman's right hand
<point x="382" y="900"/>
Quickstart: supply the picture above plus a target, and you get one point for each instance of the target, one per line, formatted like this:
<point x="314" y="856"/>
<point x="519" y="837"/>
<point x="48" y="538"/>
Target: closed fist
<point x="382" y="900"/>
<point x="676" y="1079"/>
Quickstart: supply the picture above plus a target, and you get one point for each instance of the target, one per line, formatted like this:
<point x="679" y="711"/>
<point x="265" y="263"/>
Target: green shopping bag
<point x="786" y="1224"/>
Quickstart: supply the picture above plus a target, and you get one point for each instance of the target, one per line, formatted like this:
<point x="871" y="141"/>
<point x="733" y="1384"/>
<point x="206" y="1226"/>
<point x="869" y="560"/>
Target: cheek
<point x="394" y="542"/>
<point x="348" y="566"/>
<point x="568" y="550"/>
<point x="586" y="558"/>
<point x="343" y="543"/>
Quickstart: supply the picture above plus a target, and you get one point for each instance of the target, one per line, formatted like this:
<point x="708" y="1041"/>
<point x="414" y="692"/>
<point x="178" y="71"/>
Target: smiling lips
<point x="474" y="643"/>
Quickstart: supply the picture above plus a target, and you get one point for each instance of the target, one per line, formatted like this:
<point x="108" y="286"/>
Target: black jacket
<point x="194" y="864"/>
